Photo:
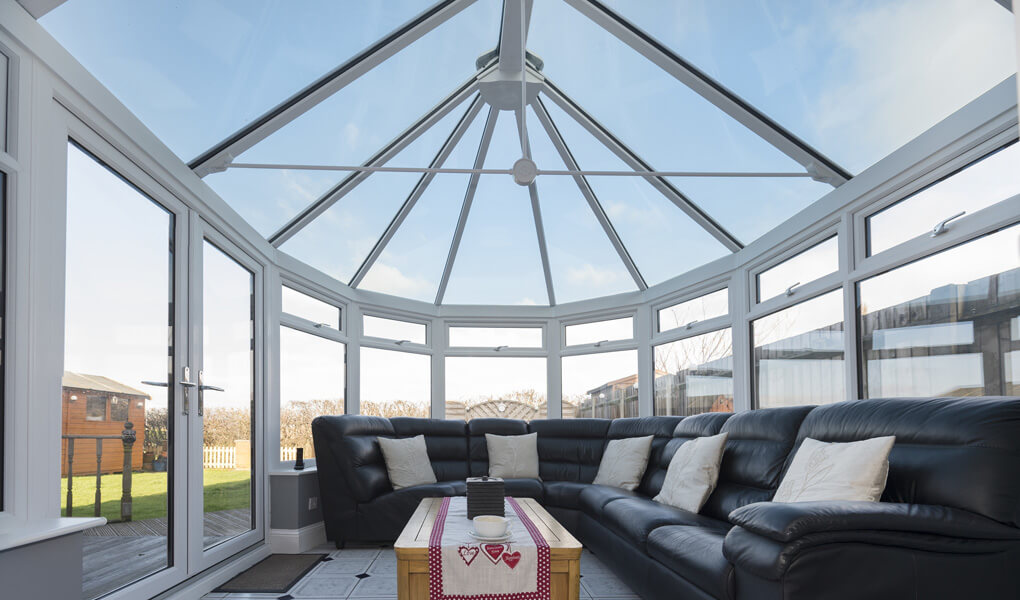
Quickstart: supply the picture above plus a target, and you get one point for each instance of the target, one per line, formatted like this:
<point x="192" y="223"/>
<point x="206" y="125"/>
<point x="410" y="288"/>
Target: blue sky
<point x="855" y="79"/>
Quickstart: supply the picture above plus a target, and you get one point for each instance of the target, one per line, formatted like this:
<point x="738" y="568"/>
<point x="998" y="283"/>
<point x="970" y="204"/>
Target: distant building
<point x="97" y="405"/>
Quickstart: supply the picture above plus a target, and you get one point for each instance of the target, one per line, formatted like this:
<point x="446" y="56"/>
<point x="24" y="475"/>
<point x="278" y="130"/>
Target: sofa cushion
<point x="523" y="488"/>
<point x="833" y="471"/>
<point x="569" y="449"/>
<point x="660" y="428"/>
<point x="478" y="450"/>
<point x="564" y="494"/>
<point x="696" y="554"/>
<point x="383" y="518"/>
<point x="624" y="462"/>
<point x="693" y="473"/>
<point x="757" y="445"/>
<point x="593" y="499"/>
<point x="446" y="441"/>
<point x="663" y="448"/>
<point x="948" y="452"/>
<point x="634" y="518"/>
<point x="407" y="461"/>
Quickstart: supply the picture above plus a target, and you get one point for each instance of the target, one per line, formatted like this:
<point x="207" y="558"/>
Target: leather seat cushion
<point x="696" y="554"/>
<point x="383" y="518"/>
<point x="523" y="488"/>
<point x="634" y="518"/>
<point x="564" y="494"/>
<point x="594" y="499"/>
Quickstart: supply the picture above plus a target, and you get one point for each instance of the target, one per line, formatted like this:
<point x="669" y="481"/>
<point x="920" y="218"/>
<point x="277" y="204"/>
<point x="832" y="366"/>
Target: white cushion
<point x="624" y="462"/>
<point x="513" y="456"/>
<point x="693" y="472"/>
<point x="407" y="461"/>
<point x="822" y="472"/>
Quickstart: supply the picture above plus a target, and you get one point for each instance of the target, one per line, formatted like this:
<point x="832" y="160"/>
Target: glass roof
<point x="349" y="133"/>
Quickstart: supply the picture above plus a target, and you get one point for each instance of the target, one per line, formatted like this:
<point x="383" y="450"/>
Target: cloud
<point x="390" y="280"/>
<point x="526" y="302"/>
<point x="352" y="133"/>
<point x="590" y="274"/>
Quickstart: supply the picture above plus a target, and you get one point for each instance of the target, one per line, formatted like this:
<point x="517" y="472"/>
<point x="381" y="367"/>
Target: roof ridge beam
<point x="419" y="189"/>
<point x="817" y="164"/>
<point x="404" y="139"/>
<point x="536" y="212"/>
<point x="272" y="120"/>
<point x="511" y="43"/>
<point x="469" y="196"/>
<point x="588" y="193"/>
<point x="631" y="158"/>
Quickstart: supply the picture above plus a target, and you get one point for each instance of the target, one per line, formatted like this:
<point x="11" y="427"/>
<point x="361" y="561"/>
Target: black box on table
<point x="485" y="496"/>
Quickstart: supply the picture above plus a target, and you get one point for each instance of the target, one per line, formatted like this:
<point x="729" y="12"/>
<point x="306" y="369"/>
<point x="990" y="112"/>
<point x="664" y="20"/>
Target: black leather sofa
<point x="948" y="525"/>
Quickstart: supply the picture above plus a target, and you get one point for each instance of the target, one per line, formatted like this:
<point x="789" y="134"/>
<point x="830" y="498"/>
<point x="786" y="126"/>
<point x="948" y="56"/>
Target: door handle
<point x="201" y="393"/>
<point x="156" y="383"/>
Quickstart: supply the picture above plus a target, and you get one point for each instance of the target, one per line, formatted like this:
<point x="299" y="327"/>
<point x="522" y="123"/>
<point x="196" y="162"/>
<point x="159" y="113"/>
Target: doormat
<point x="275" y="574"/>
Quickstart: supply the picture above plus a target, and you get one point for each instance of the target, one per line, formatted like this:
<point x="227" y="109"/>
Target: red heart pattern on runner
<point x="494" y="552"/>
<point x="468" y="554"/>
<point x="511" y="560"/>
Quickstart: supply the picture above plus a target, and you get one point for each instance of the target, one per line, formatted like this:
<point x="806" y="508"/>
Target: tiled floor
<point x="371" y="573"/>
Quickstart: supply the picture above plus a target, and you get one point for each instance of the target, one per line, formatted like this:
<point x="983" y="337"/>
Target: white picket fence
<point x="222" y="457"/>
<point x="218" y="457"/>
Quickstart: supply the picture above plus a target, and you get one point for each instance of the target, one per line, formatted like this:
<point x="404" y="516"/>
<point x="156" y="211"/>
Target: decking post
<point x="98" y="509"/>
<point x="128" y="437"/>
<point x="70" y="477"/>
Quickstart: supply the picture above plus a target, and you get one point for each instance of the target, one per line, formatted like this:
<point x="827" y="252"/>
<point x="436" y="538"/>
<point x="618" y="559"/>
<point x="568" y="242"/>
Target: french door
<point x="224" y="386"/>
<point x="163" y="339"/>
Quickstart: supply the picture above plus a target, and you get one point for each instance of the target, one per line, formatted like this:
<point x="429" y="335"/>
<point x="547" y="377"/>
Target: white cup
<point x="490" y="526"/>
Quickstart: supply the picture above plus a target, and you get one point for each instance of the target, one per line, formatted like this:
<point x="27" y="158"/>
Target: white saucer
<point x="501" y="538"/>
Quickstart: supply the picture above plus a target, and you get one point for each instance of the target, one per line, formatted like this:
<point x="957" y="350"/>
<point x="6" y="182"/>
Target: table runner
<point x="464" y="568"/>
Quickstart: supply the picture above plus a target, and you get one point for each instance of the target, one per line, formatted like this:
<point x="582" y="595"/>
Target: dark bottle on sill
<point x="299" y="464"/>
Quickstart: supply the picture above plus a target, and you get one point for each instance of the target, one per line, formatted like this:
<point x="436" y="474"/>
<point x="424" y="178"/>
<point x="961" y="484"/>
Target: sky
<point x="856" y="79"/>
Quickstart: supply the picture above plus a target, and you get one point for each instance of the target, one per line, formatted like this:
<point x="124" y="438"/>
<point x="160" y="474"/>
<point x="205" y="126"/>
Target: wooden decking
<point x="118" y="553"/>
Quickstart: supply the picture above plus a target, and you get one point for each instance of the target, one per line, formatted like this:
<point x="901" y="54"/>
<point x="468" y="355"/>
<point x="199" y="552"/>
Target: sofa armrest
<point x="788" y="522"/>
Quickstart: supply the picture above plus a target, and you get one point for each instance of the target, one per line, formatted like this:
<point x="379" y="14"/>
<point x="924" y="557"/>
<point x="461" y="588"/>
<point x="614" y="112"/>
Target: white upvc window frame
<point x="660" y="336"/>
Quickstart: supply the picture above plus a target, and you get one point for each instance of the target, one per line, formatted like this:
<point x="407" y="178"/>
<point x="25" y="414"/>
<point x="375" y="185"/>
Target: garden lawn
<point x="224" y="489"/>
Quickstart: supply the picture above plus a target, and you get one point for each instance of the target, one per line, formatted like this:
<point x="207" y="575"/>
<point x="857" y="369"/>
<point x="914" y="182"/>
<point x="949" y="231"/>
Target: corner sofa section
<point x="947" y="526"/>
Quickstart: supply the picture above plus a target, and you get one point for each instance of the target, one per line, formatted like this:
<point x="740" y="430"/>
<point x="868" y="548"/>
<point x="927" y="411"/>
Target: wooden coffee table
<point x="412" y="549"/>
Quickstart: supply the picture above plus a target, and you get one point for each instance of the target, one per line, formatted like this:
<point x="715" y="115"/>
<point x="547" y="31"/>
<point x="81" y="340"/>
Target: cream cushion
<point x="407" y="461"/>
<point x="693" y="472"/>
<point x="828" y="472"/>
<point x="513" y="456"/>
<point x="624" y="462"/>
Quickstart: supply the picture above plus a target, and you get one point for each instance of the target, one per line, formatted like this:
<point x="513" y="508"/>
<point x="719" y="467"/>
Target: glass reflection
<point x="603" y="385"/>
<point x="945" y="325"/>
<point x="695" y="375"/>
<point x="487" y="387"/>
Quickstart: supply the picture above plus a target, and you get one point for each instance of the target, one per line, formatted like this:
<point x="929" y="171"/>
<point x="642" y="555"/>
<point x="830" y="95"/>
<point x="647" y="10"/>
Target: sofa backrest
<point x="349" y="444"/>
<point x="446" y="441"/>
<point x="570" y="449"/>
<point x="686" y="430"/>
<point x="478" y="450"/>
<point x="957" y="452"/>
<point x="661" y="428"/>
<point x="757" y="447"/>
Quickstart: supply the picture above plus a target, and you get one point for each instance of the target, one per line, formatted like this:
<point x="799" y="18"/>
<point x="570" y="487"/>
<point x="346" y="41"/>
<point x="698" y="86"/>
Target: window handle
<point x="691" y="324"/>
<point x="789" y="290"/>
<point x="401" y="342"/>
<point x="498" y="348"/>
<point x="600" y="342"/>
<point x="321" y="325"/>
<point x="940" y="228"/>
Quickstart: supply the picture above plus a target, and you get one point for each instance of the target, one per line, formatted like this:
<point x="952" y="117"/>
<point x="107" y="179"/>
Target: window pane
<point x="313" y="309"/>
<point x="945" y="325"/>
<point x="484" y="387"/>
<point x="119" y="409"/>
<point x="600" y="331"/>
<point x="393" y="329"/>
<point x="603" y="385"/>
<point x="119" y="283"/>
<point x="1013" y="359"/>
<point x="844" y="76"/>
<point x="491" y="337"/>
<point x="990" y="180"/>
<point x="798" y="354"/>
<point x="395" y="384"/>
<point x="695" y="375"/>
<point x="702" y="308"/>
<point x="312" y="382"/>
<point x="809" y="265"/>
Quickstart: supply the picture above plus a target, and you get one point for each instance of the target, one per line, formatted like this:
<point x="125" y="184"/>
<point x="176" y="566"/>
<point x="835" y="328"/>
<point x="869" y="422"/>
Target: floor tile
<point x="376" y="586"/>
<point x="324" y="586"/>
<point x="606" y="586"/>
<point x="383" y="566"/>
<point x="344" y="566"/>
<point x="362" y="553"/>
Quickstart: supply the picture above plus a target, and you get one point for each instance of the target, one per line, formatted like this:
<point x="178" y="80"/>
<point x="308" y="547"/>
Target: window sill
<point x="15" y="532"/>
